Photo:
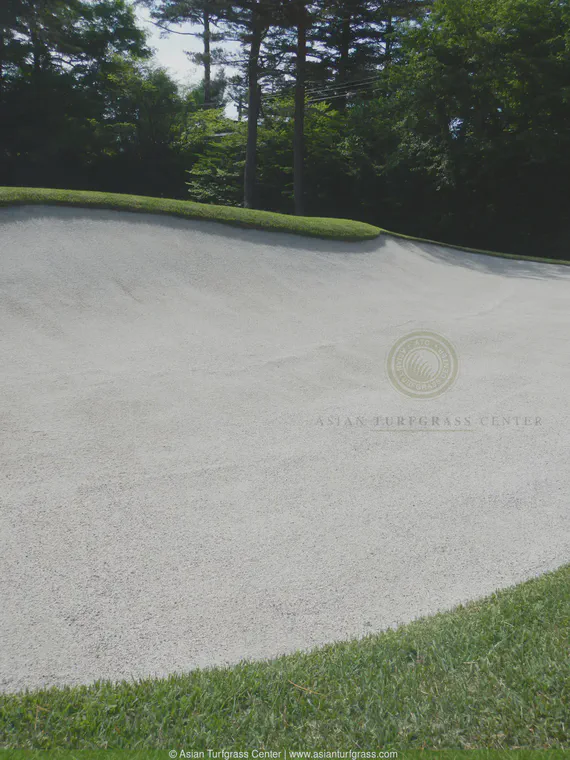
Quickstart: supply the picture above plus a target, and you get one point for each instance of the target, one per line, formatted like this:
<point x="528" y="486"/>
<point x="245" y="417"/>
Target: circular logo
<point x="422" y="364"/>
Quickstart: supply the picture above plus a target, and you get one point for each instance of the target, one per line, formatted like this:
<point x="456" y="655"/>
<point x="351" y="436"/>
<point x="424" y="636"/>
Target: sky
<point x="169" y="50"/>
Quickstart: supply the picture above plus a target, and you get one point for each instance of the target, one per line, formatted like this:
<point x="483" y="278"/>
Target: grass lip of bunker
<point x="320" y="227"/>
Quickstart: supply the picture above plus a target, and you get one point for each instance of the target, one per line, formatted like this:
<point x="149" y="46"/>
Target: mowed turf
<point x="321" y="227"/>
<point x="491" y="674"/>
<point x="335" y="229"/>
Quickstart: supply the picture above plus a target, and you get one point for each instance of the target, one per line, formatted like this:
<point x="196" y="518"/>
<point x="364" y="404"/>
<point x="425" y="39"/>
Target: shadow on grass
<point x="488" y="264"/>
<point x="219" y="229"/>
<point x="231" y="233"/>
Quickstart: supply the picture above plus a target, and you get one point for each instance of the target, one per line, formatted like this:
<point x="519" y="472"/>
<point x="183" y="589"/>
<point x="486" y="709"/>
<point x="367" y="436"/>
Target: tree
<point x="214" y="148"/>
<point x="484" y="112"/>
<point x="355" y="39"/>
<point x="142" y="117"/>
<point x="296" y="14"/>
<point x="248" y="22"/>
<point x="258" y="25"/>
<point x="302" y="23"/>
<point x="203" y="14"/>
<point x="54" y="56"/>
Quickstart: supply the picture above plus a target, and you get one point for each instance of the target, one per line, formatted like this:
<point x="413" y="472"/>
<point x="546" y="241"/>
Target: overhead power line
<point x="343" y="95"/>
<point x="315" y="86"/>
<point x="328" y="92"/>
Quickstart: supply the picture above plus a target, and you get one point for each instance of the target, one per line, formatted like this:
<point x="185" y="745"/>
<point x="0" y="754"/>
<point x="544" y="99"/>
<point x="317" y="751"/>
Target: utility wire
<point x="333" y="97"/>
<point x="315" y="86"/>
<point x="332" y="91"/>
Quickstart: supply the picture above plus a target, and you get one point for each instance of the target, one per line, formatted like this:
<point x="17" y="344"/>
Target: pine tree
<point x="202" y="14"/>
<point x="355" y="40"/>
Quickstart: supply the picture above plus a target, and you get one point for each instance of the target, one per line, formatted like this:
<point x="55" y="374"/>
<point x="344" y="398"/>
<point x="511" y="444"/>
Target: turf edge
<point x="321" y="227"/>
<point x="492" y="674"/>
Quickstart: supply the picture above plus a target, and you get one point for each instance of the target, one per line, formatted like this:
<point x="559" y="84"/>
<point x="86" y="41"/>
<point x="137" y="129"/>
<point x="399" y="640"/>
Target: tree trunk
<point x="344" y="57"/>
<point x="2" y="46"/>
<point x="253" y="102"/>
<point x="207" y="60"/>
<point x="299" y="133"/>
<point x="388" y="43"/>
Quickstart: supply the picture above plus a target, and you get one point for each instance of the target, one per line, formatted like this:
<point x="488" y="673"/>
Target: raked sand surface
<point x="200" y="454"/>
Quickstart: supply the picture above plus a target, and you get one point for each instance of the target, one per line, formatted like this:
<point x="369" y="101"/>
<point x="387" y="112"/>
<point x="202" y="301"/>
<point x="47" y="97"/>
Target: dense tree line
<point x="447" y="119"/>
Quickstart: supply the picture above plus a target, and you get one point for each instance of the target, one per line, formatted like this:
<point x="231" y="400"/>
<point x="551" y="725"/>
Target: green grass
<point x="491" y="674"/>
<point x="498" y="254"/>
<point x="321" y="227"/>
<point x="337" y="229"/>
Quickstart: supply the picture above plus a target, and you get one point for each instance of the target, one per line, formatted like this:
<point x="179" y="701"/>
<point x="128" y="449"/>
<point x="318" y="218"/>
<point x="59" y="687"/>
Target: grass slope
<point x="337" y="229"/>
<point x="322" y="227"/>
<point x="517" y="257"/>
<point x="491" y="674"/>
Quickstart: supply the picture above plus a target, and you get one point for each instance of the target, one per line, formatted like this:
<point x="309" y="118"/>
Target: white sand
<point x="168" y="498"/>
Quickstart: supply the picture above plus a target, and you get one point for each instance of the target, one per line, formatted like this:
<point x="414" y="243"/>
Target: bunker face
<point x="192" y="471"/>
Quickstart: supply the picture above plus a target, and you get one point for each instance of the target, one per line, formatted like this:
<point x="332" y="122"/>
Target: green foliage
<point x="482" y="107"/>
<point x="215" y="146"/>
<point x="459" y="129"/>
<point x="81" y="106"/>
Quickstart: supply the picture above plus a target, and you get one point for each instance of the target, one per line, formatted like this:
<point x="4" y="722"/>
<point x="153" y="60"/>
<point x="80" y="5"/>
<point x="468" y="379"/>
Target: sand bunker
<point x="203" y="457"/>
